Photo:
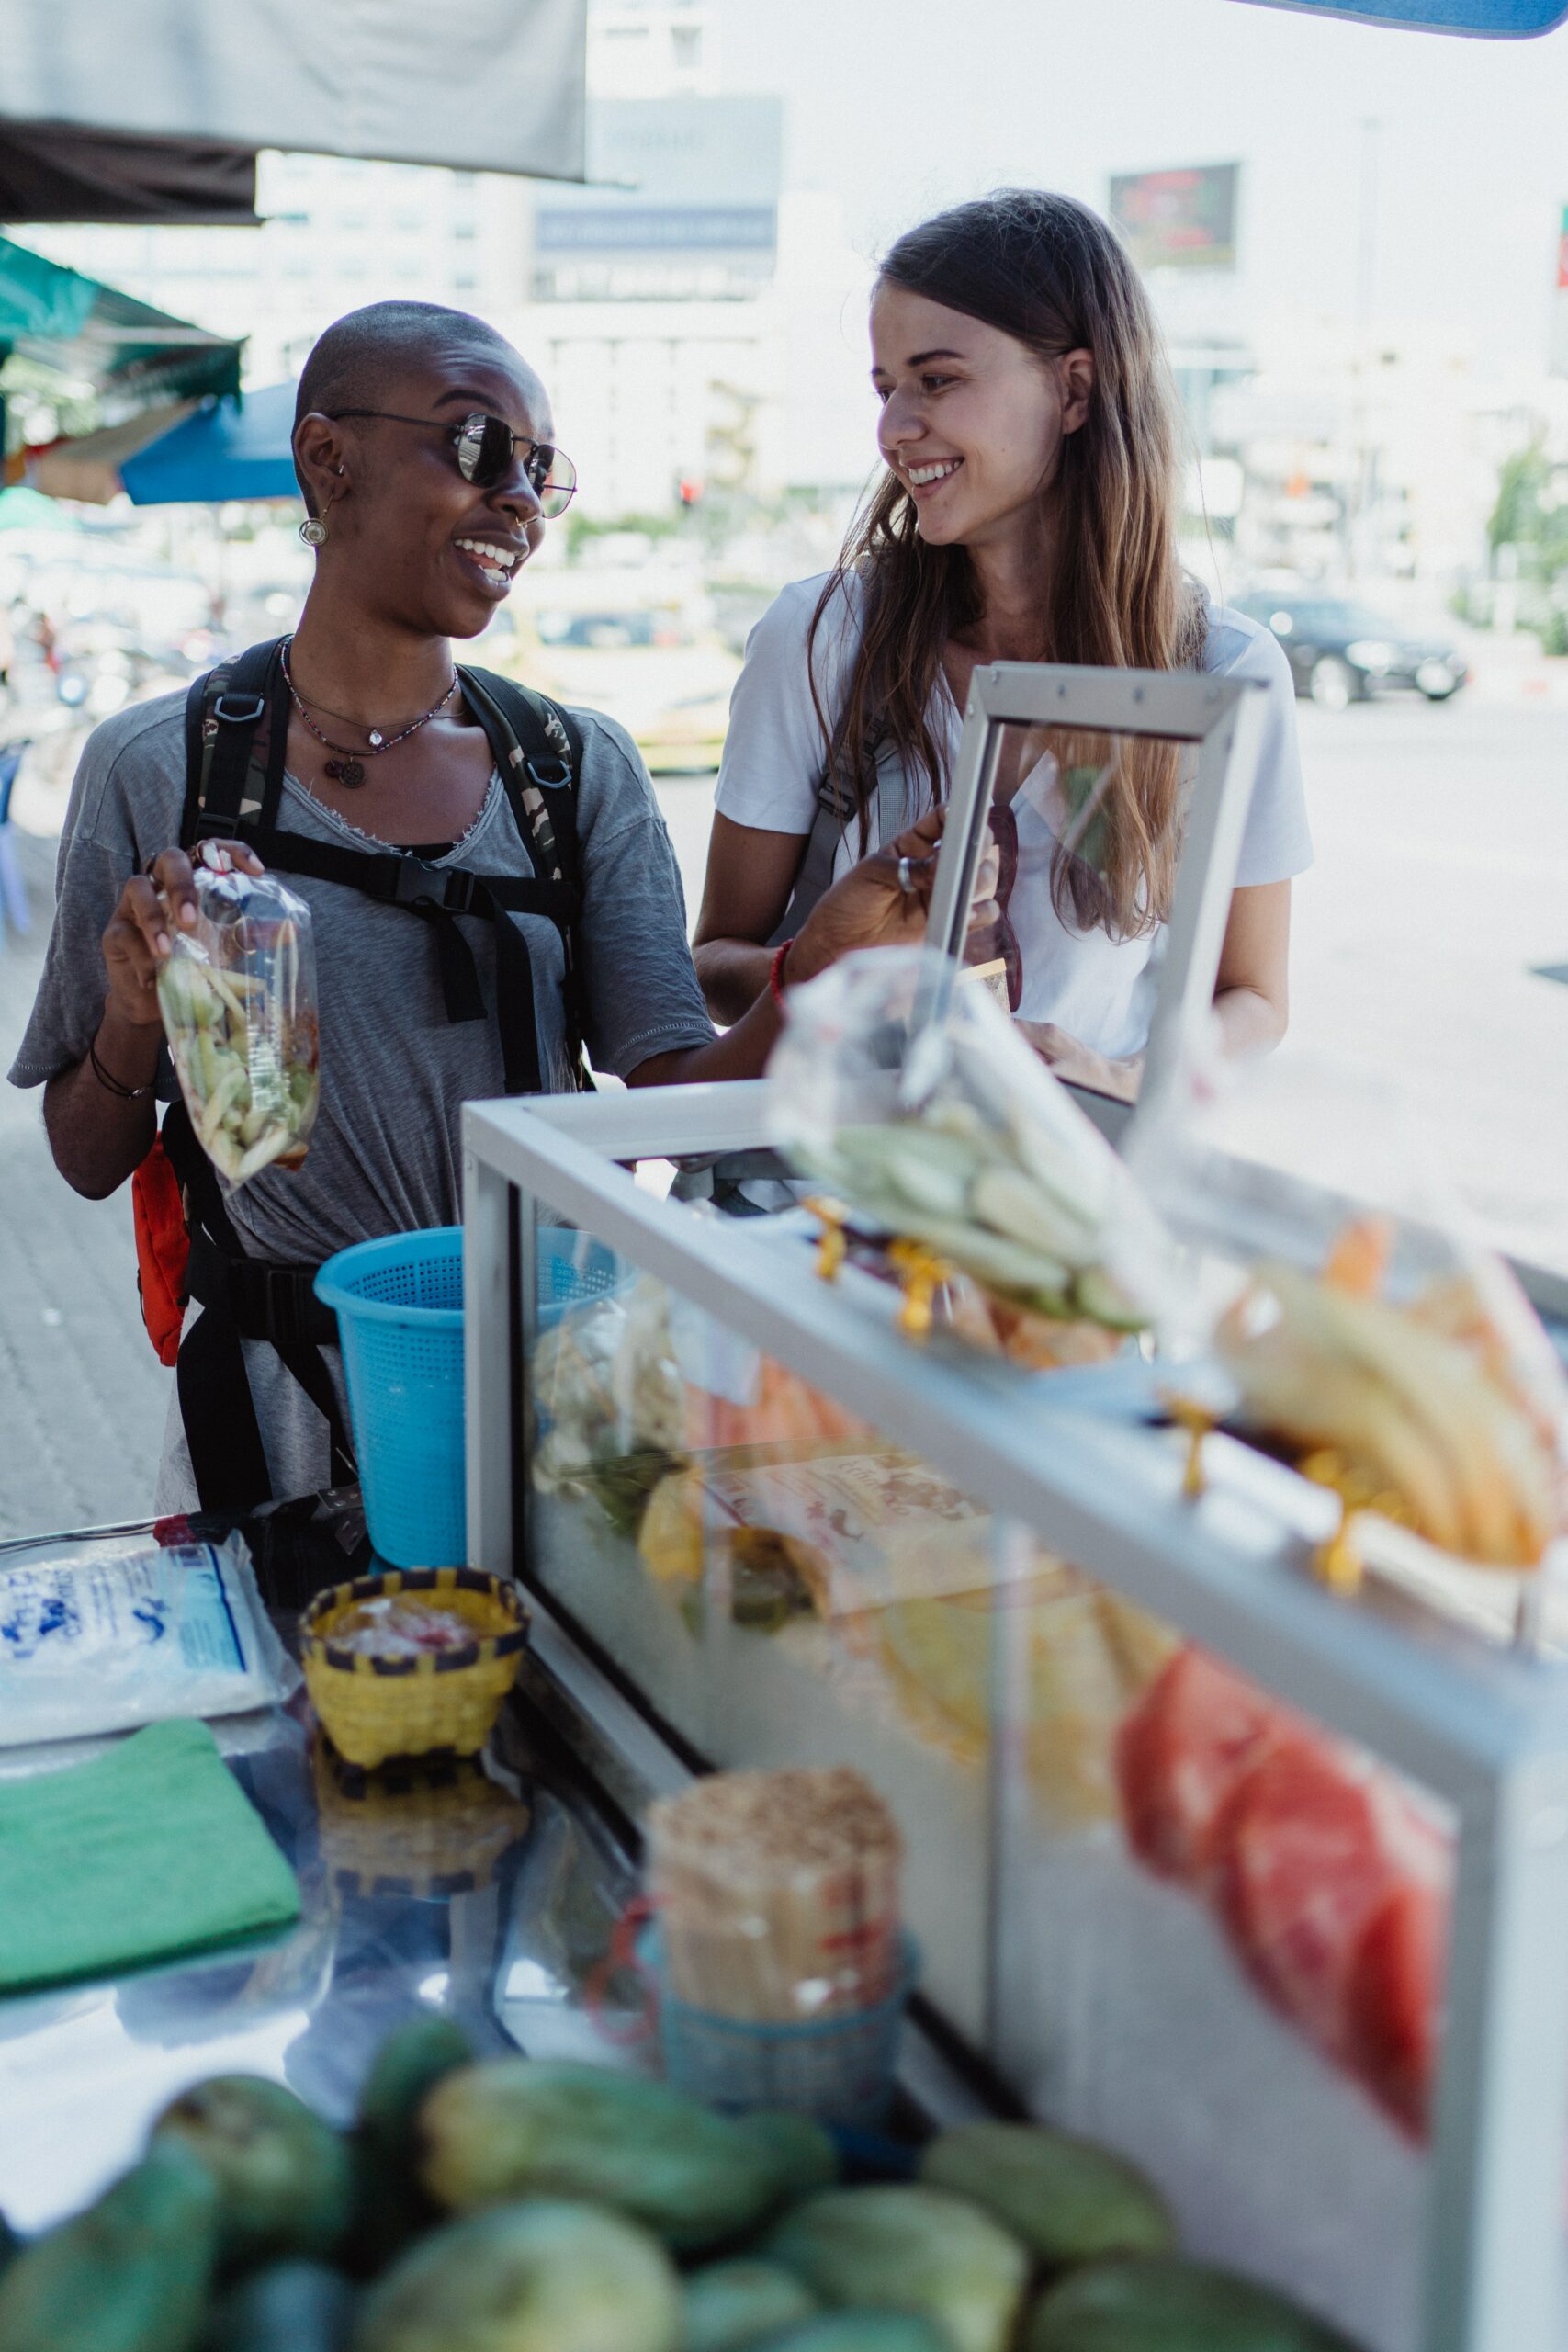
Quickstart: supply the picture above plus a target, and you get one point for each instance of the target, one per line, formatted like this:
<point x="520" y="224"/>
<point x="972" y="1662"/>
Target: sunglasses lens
<point x="485" y="447"/>
<point x="559" y="479"/>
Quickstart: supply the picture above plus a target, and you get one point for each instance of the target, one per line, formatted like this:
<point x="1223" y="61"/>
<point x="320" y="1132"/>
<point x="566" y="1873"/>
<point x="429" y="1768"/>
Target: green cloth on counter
<point x="147" y="1851"/>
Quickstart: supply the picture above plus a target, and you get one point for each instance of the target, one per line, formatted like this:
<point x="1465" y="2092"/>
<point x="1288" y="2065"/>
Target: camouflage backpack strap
<point x="538" y="752"/>
<point x="540" y="763"/>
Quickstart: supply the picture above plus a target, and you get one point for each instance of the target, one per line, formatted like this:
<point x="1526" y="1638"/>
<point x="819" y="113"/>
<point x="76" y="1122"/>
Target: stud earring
<point x="313" y="531"/>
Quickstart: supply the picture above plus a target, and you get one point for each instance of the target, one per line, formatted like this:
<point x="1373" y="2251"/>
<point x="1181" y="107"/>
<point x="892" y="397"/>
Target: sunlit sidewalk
<point x="82" y="1396"/>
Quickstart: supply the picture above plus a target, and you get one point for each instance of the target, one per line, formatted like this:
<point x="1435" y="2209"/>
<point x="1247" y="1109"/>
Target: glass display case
<point x="1263" y="1883"/>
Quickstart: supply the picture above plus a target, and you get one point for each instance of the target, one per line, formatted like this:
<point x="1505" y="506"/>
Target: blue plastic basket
<point x="839" y="2070"/>
<point x="398" y="1303"/>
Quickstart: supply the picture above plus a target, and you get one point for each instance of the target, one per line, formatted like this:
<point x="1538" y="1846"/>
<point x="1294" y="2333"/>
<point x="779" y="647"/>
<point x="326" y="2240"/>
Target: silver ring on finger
<point x="906" y="876"/>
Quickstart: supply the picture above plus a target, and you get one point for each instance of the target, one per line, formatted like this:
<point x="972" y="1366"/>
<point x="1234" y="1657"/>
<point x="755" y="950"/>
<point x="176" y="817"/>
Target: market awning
<point x="197" y="452"/>
<point x="1493" y="19"/>
<point x="494" y="85"/>
<point x="79" y="328"/>
<point x="225" y="450"/>
<point x="53" y="170"/>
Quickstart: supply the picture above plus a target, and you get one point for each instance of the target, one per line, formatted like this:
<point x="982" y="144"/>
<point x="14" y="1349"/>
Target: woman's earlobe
<point x="1077" y="389"/>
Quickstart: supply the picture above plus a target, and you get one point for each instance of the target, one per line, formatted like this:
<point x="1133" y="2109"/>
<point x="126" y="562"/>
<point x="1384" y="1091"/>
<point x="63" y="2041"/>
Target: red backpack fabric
<point x="163" y="1251"/>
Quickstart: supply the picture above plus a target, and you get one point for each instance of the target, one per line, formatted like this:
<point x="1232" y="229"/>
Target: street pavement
<point x="82" y="1395"/>
<point x="1441" y="882"/>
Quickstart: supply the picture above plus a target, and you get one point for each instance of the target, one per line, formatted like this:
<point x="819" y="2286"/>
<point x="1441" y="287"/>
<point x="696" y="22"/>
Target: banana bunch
<point x="1021" y="1212"/>
<point x="1417" y="1411"/>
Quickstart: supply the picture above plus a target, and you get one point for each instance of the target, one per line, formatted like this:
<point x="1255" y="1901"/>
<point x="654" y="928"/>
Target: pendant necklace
<point x="347" y="767"/>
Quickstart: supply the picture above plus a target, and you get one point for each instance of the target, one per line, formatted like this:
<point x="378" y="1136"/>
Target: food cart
<point x="757" y="1525"/>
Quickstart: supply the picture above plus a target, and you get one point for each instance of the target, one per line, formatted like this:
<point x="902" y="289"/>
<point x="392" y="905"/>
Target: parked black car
<point x="1341" y="652"/>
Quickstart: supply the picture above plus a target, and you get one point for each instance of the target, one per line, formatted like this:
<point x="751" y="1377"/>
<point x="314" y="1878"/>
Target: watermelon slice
<point x="1196" y="1732"/>
<point x="1307" y="1850"/>
<point x="1394" y="2001"/>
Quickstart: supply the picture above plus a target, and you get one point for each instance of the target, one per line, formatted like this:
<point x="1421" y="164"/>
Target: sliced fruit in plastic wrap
<point x="238" y="996"/>
<point x="954" y="1135"/>
<point x="1364" y="1331"/>
<point x="1328" y="1874"/>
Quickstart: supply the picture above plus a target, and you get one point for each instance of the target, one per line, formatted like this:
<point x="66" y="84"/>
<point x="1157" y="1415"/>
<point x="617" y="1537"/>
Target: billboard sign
<point x="1179" y="220"/>
<point x="694" y="176"/>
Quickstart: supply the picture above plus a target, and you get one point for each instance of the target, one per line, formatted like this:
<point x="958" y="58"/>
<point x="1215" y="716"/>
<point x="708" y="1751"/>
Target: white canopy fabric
<point x="489" y="85"/>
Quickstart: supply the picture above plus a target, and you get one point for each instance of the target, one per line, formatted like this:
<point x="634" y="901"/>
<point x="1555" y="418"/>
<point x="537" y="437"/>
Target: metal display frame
<point x="1222" y="717"/>
<point x="1485" y="1729"/>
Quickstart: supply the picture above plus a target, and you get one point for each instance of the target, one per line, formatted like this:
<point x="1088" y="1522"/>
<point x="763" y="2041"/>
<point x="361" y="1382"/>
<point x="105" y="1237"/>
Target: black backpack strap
<point x="540" y="760"/>
<point x="225" y="797"/>
<point x="538" y="752"/>
<point x="241" y="1298"/>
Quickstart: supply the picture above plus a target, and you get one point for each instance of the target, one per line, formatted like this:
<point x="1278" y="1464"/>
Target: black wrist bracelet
<point x="111" y="1085"/>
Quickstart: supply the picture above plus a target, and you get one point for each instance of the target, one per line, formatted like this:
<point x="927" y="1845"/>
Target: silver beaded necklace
<point x="345" y="766"/>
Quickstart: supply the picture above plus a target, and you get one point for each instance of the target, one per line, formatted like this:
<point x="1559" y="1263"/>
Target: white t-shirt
<point x="1097" y="989"/>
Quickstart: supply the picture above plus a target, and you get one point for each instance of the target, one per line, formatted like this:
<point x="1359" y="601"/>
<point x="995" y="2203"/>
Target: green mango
<point x="544" y="2276"/>
<point x="1161" y="2303"/>
<point x="1069" y="2200"/>
<point x="802" y="2155"/>
<point x="411" y="2062"/>
<point x="908" y="2247"/>
<point x="861" y="2332"/>
<point x="129" y="2275"/>
<point x="287" y="2307"/>
<point x="736" y="2304"/>
<point x="393" y="2206"/>
<point x="286" y="2179"/>
<point x="520" y="2127"/>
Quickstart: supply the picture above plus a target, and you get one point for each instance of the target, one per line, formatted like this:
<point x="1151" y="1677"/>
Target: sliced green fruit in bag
<point x="1104" y="1299"/>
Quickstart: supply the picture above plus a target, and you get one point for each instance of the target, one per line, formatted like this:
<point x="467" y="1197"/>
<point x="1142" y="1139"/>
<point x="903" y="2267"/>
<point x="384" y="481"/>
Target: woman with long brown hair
<point x="1028" y="512"/>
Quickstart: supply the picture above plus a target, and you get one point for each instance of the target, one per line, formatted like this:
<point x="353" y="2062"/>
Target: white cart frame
<point x="1221" y="718"/>
<point x="1485" y="1729"/>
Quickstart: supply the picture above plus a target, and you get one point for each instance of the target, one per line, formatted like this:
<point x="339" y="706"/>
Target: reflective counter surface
<point x="486" y="1890"/>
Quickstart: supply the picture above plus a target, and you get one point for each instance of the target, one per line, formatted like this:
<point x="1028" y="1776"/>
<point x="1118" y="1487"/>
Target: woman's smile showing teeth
<point x="495" y="562"/>
<point x="926" y="477"/>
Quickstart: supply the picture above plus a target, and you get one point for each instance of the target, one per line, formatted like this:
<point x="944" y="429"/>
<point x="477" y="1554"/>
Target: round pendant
<point x="376" y="738"/>
<point x="347" y="772"/>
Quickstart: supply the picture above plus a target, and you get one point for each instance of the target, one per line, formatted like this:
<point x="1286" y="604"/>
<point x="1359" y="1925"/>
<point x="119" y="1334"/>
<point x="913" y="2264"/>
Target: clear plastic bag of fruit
<point x="238" y="996"/>
<point x="951" y="1139"/>
<point x="1364" y="1332"/>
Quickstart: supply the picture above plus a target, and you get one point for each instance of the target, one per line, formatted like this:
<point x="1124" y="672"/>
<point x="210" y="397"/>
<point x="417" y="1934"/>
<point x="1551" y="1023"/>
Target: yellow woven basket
<point x="373" y="1709"/>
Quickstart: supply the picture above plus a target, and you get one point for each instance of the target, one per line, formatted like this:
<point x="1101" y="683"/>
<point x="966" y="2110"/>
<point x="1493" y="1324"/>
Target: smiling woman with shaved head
<point x="491" y="888"/>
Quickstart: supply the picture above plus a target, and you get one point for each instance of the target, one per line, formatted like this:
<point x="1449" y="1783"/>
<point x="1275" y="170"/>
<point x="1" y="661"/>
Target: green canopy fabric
<point x="25" y="509"/>
<point x="75" y="325"/>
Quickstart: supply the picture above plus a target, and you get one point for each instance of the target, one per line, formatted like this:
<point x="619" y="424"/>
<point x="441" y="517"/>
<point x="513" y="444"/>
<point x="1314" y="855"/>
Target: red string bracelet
<point x="775" y="971"/>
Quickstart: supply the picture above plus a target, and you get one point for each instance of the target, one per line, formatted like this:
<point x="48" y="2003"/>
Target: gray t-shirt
<point x="384" y="1155"/>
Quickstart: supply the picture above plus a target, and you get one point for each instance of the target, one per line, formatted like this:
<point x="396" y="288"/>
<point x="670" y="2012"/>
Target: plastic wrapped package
<point x="953" y="1139"/>
<point x="1361" y="1329"/>
<point x="777" y="1893"/>
<point x="238" y="996"/>
<point x="109" y="1636"/>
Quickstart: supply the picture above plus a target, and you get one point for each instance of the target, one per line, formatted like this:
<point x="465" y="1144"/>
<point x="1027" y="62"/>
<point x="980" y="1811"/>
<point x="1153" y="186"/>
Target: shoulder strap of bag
<point x="814" y="874"/>
<point x="538" y="752"/>
<point x="224" y="711"/>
